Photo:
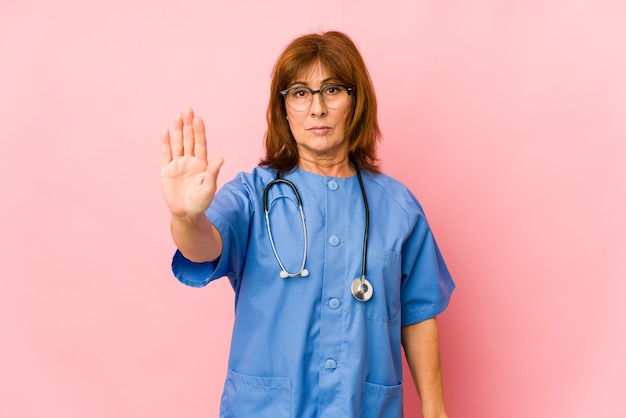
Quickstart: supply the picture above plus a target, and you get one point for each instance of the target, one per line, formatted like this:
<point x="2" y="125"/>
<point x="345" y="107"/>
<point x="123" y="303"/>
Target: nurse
<point x="326" y="301"/>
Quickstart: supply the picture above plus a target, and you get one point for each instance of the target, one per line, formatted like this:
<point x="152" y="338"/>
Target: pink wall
<point x="514" y="114"/>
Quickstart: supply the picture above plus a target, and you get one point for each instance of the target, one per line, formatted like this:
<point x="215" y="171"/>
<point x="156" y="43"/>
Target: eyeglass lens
<point x="300" y="98"/>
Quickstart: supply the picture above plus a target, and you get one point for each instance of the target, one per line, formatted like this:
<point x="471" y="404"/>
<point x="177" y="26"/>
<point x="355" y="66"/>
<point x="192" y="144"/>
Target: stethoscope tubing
<point x="284" y="273"/>
<point x="361" y="288"/>
<point x="367" y="222"/>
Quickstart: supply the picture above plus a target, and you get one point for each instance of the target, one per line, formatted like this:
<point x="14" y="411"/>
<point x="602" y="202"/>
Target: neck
<point x="333" y="167"/>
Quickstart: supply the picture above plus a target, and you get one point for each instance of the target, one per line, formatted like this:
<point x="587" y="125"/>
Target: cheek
<point x="294" y="119"/>
<point x="342" y="119"/>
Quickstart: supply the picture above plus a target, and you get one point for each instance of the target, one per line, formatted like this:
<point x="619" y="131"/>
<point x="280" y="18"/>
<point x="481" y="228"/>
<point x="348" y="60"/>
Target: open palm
<point x="188" y="179"/>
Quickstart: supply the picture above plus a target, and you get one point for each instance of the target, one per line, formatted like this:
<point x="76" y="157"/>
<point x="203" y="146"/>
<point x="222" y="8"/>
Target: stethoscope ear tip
<point x="284" y="274"/>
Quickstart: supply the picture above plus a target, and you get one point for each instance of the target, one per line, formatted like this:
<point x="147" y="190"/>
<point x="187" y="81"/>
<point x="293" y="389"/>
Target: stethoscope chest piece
<point x="362" y="289"/>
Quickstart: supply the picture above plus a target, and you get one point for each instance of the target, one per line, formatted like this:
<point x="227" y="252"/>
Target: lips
<point x="319" y="129"/>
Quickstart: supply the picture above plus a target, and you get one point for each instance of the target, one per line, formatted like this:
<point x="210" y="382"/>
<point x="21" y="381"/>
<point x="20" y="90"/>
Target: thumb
<point x="213" y="168"/>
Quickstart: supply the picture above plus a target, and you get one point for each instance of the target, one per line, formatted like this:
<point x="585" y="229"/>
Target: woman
<point x="324" y="300"/>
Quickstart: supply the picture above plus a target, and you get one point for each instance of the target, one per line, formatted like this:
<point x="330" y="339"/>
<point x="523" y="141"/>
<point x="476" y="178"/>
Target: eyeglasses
<point x="300" y="98"/>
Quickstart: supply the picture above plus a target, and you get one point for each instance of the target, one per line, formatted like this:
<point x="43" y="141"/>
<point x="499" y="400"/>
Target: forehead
<point x="316" y="73"/>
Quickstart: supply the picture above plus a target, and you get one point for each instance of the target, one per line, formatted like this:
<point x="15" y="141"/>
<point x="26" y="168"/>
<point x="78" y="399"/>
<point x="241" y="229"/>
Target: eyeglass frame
<point x="313" y="92"/>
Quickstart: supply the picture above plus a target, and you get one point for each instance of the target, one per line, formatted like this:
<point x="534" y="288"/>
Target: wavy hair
<point x="339" y="56"/>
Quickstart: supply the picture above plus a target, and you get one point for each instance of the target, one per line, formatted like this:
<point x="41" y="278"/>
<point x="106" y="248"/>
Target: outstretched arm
<point x="421" y="346"/>
<point x="189" y="183"/>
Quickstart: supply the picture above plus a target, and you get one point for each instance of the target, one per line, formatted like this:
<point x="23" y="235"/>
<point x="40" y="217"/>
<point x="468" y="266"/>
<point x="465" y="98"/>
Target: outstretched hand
<point x="188" y="178"/>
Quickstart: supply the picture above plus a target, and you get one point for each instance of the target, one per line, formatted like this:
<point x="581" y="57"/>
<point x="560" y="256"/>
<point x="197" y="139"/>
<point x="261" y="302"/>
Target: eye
<point x="332" y="90"/>
<point x="299" y="93"/>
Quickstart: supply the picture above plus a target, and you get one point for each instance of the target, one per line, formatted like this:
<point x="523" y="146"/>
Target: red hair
<point x="339" y="56"/>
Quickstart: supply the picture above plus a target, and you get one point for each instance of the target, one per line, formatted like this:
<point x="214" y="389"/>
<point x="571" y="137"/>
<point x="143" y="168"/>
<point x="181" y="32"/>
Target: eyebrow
<point x="329" y="80"/>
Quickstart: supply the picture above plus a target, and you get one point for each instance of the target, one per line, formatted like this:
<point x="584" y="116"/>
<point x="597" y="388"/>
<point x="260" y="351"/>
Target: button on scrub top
<point x="305" y="347"/>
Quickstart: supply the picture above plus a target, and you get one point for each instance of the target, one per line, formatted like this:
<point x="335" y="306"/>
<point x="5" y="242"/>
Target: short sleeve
<point x="426" y="282"/>
<point x="230" y="213"/>
<point x="200" y="274"/>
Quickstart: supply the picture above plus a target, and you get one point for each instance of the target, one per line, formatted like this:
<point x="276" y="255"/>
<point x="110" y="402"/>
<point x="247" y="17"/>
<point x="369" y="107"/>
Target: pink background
<point x="507" y="119"/>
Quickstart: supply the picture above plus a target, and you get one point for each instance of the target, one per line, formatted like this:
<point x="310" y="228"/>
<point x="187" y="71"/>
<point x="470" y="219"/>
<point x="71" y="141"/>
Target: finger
<point x="188" y="134"/>
<point x="166" y="148"/>
<point x="213" y="168"/>
<point x="177" y="137"/>
<point x="200" y="147"/>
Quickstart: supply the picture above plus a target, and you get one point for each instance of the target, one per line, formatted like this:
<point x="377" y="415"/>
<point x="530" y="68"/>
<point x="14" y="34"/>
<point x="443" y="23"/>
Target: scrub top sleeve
<point x="426" y="282"/>
<point x="200" y="274"/>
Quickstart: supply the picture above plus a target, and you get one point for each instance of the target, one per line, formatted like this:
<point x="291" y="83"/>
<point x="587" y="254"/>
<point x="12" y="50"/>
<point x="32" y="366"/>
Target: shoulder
<point x="252" y="181"/>
<point x="384" y="187"/>
<point x="243" y="189"/>
<point x="257" y="177"/>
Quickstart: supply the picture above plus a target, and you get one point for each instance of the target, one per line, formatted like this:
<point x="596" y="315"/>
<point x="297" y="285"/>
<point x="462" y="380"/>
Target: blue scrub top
<point x="305" y="347"/>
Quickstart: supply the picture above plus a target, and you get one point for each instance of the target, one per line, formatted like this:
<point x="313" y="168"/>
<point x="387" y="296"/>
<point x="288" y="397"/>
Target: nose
<point x="317" y="105"/>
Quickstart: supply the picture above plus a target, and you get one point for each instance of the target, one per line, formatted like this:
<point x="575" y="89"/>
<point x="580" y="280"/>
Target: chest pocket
<point x="384" y="273"/>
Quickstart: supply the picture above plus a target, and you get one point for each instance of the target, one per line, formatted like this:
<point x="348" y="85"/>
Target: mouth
<point x="319" y="129"/>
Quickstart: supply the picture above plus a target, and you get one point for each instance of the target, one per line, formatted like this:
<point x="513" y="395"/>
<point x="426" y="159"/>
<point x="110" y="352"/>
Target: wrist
<point x="434" y="412"/>
<point x="190" y="219"/>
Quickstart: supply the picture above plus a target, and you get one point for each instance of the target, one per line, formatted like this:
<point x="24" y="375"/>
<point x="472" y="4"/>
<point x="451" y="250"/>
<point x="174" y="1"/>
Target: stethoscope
<point x="361" y="288"/>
